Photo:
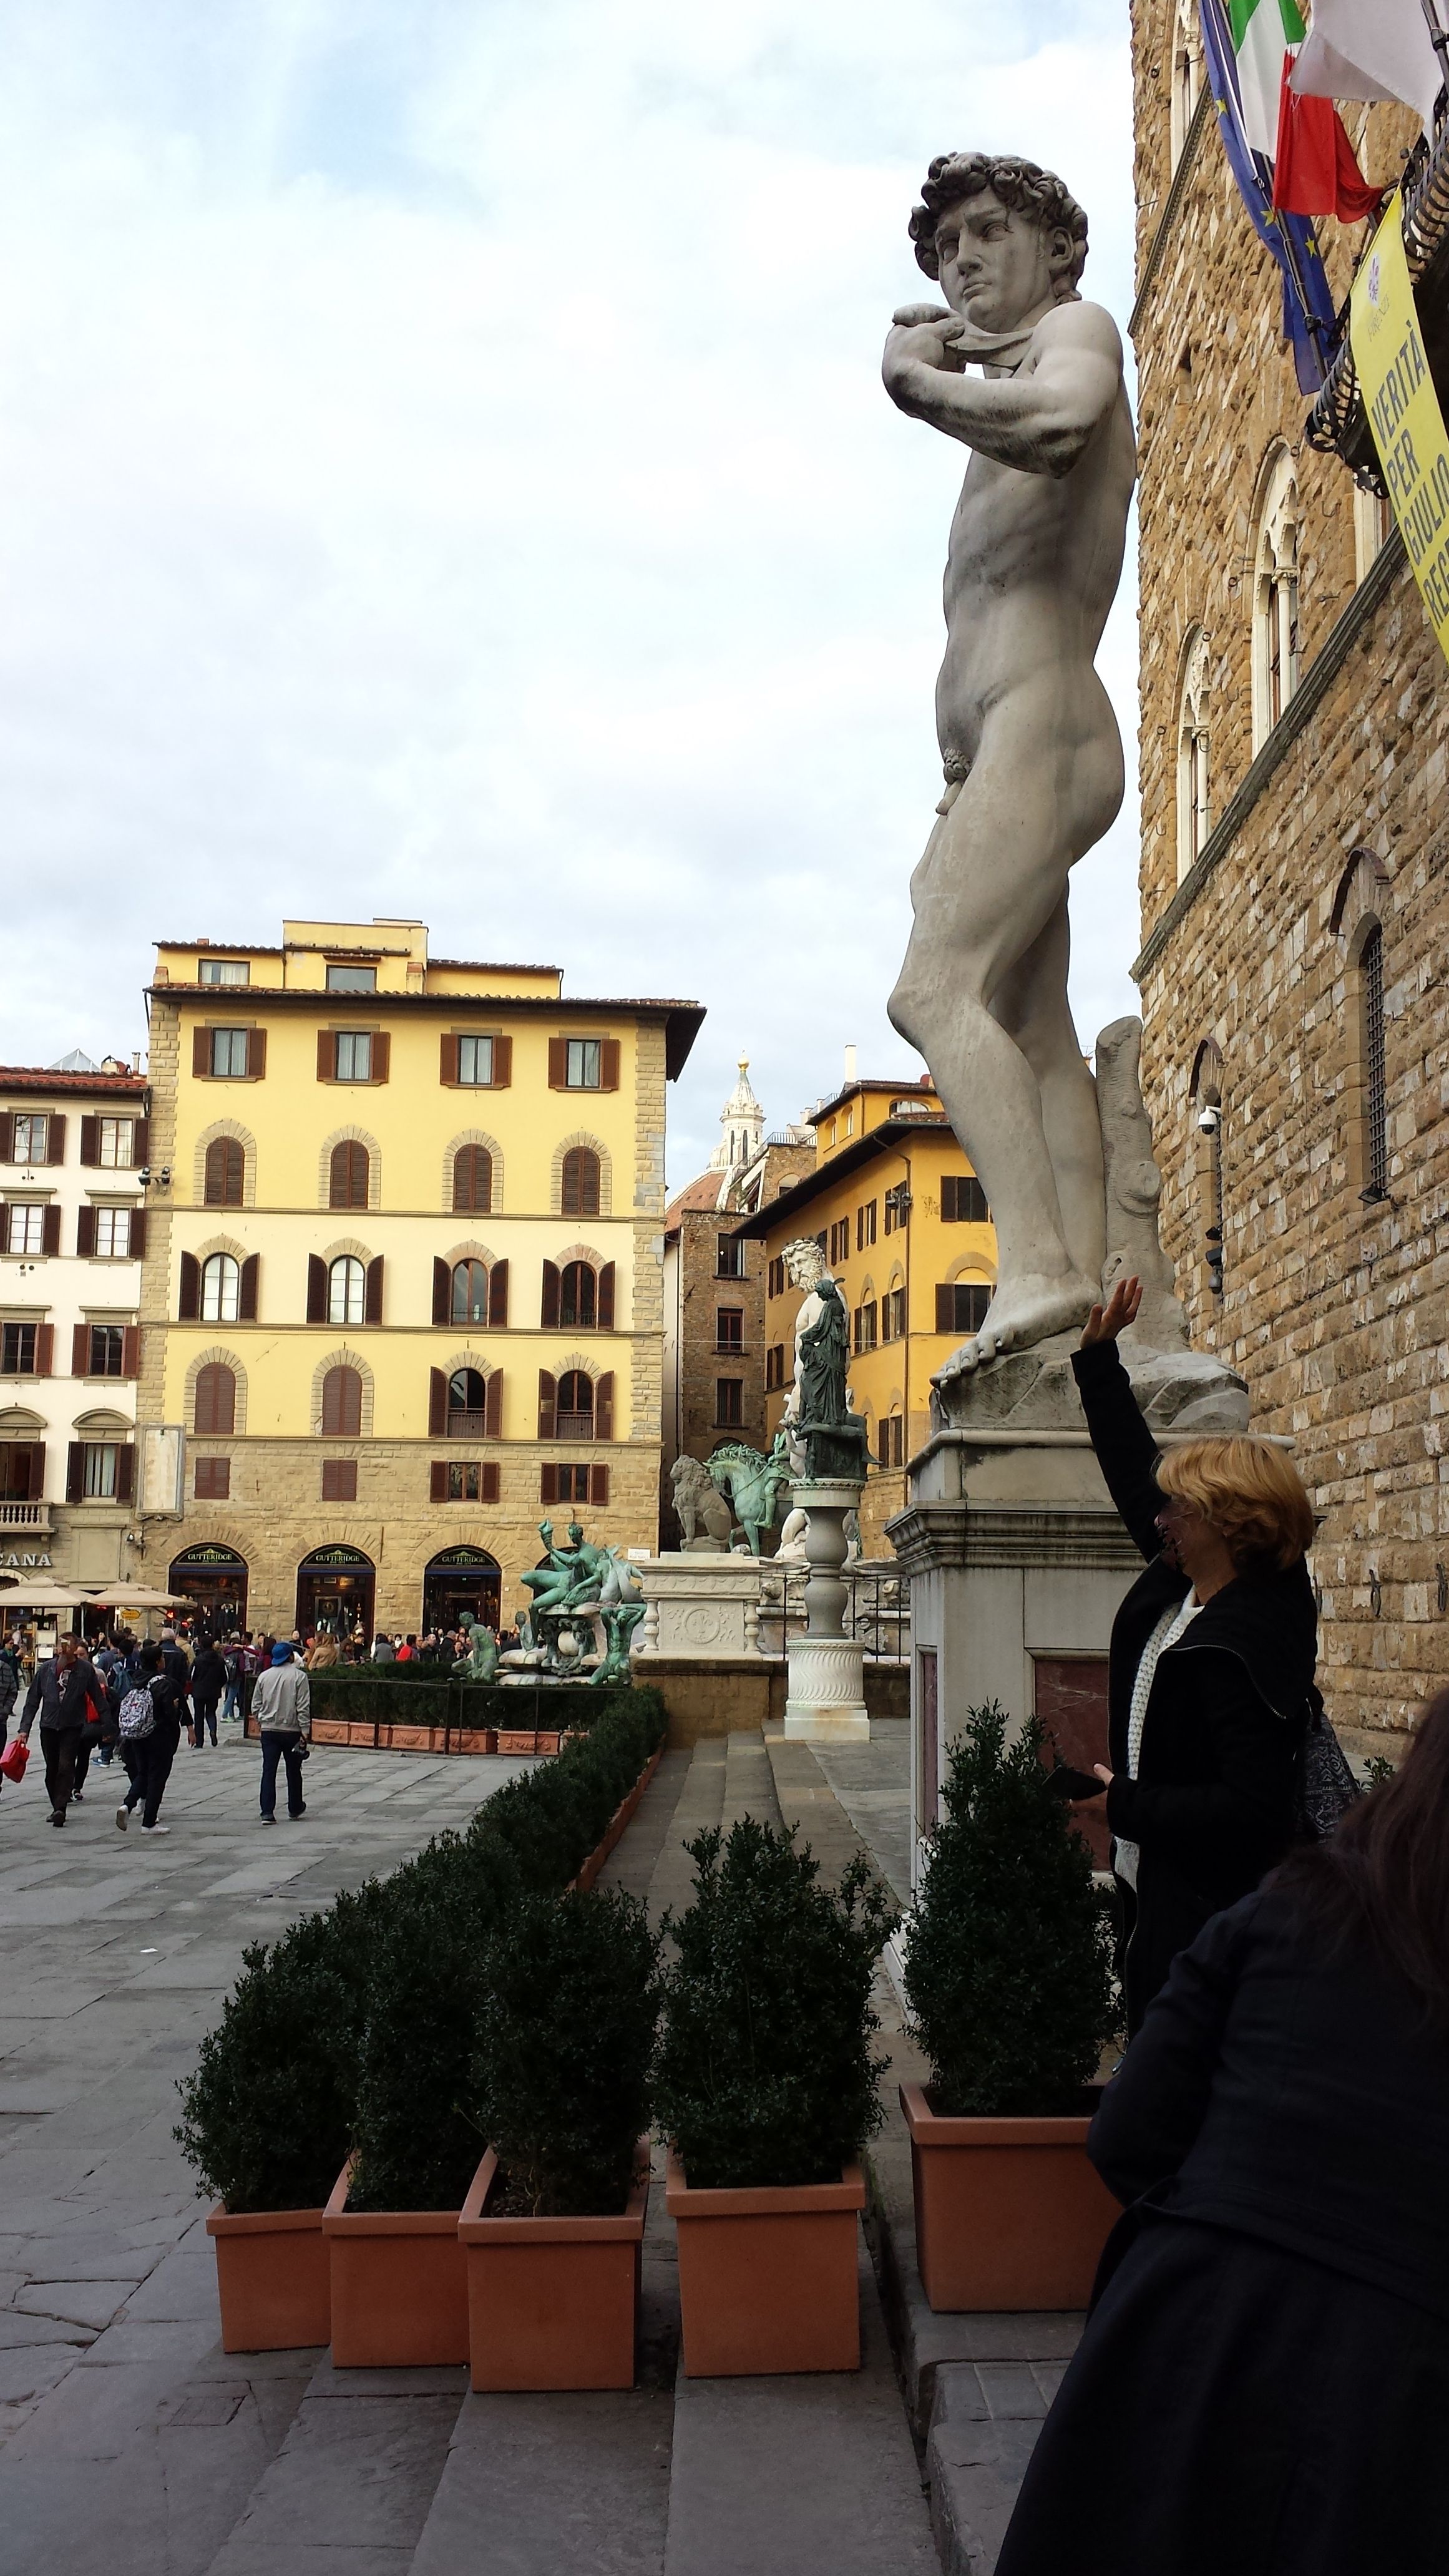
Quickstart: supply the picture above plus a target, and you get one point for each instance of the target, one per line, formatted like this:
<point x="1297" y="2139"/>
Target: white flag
<point x="1370" y="49"/>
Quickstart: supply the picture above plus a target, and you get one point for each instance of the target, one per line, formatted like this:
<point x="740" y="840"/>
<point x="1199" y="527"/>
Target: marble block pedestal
<point x="825" y="1701"/>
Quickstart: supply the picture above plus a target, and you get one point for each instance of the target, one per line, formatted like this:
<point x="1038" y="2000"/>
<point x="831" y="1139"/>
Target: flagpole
<point x="1437" y="36"/>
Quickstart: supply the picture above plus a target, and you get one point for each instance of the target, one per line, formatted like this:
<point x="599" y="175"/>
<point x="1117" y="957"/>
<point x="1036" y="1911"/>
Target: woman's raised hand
<point x="1105" y="1322"/>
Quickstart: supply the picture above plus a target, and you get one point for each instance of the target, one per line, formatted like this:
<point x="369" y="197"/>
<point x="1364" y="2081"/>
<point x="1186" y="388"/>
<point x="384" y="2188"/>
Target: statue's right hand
<point x="1105" y="1322"/>
<point x="921" y="335"/>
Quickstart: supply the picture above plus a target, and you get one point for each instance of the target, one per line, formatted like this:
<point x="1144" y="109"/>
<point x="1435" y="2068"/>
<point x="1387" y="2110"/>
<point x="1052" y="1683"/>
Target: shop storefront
<point x="335" y="1590"/>
<point x="214" y="1580"/>
<point x="461" y="1582"/>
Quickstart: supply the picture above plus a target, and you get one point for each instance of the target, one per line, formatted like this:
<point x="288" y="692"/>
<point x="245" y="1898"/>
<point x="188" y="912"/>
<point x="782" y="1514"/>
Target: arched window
<point x="342" y="1404"/>
<point x="470" y="1293"/>
<point x="1373" y="1071"/>
<point x="1275" y="598"/>
<point x="349" y="1175"/>
<point x="1207" y="1098"/>
<point x="226" y="1170"/>
<point x="580" y="1182"/>
<point x="1194" y="820"/>
<point x="473" y="1180"/>
<point x="575" y="1416"/>
<point x="578" y="1295"/>
<point x="215" y="1398"/>
<point x="346" y="1290"/>
<point x="467" y="1404"/>
<point x="1186" y="74"/>
<point x="220" y="1289"/>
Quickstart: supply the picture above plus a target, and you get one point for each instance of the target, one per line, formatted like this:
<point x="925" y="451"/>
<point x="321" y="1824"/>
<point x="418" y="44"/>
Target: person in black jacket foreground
<point x="1210" y="1671"/>
<point x="1263" y="2383"/>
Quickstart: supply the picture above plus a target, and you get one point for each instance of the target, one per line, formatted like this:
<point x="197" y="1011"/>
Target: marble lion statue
<point x="698" y="1503"/>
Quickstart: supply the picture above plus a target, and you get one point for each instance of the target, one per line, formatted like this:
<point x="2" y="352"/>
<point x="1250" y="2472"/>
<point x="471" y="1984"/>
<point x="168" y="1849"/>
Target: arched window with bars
<point x="1373" y="1068"/>
<point x="346" y="1290"/>
<point x="1275" y="596"/>
<point x="1194" y="818"/>
<point x="220" y="1288"/>
<point x="575" y="1418"/>
<point x="224" y="1183"/>
<point x="469" y="1304"/>
<point x="349" y="1175"/>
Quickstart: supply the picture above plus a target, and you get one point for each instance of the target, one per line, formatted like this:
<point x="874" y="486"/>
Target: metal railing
<point x="877" y="1615"/>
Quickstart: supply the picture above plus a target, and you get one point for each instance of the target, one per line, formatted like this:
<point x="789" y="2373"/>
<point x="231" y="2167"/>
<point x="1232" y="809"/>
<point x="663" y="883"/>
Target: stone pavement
<point x="129" y="2440"/>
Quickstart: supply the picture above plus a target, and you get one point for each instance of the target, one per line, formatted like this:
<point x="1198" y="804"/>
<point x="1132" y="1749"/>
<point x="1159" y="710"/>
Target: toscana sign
<point x="1403" y="410"/>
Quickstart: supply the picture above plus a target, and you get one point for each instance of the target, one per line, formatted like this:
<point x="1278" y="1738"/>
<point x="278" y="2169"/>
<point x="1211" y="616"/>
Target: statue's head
<point x="576" y="1536"/>
<point x="804" y="1262"/>
<point x="1003" y="237"/>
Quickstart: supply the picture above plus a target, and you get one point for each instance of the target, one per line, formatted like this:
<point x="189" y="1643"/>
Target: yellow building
<point x="402" y="1294"/>
<point x="903" y="1223"/>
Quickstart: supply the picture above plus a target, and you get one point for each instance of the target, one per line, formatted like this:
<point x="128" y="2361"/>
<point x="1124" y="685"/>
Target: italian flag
<point x="1262" y="32"/>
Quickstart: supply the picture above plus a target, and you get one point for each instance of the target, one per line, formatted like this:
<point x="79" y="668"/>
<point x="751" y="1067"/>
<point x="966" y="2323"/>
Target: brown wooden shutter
<point x="604" y="1407"/>
<point x="558" y="1064"/>
<point x="246" y="1304"/>
<point x="7" y="1136"/>
<point x="372" y="1293"/>
<point x="188" y="1303"/>
<point x="125" y="1473"/>
<point x="50" y="1239"/>
<point x="138" y="1233"/>
<point x="493" y="1407"/>
<point x="200" y="1054"/>
<point x="547" y="1404"/>
<point x="381" y="1055"/>
<point x="447" y="1072"/>
<point x="498" y="1297"/>
<point x="85" y="1233"/>
<point x="548" y="1484"/>
<point x="945" y="1310"/>
<point x="548" y="1312"/>
<point x="609" y="1065"/>
<point x="54" y="1139"/>
<point x="598" y="1485"/>
<point x="131" y="1351"/>
<point x="37" y="1471"/>
<point x="316" y="1289"/>
<point x="80" y="1350"/>
<point x="140" y="1142"/>
<point x="605" y="1309"/>
<point x="75" y="1471"/>
<point x="489" y="1480"/>
<point x="326" y="1055"/>
<point x="90" y="1150"/>
<point x="256" y="1054"/>
<point x="437" y="1404"/>
<point x="442" y="1291"/>
<point x="438" y="1472"/>
<point x="502" y="1063"/>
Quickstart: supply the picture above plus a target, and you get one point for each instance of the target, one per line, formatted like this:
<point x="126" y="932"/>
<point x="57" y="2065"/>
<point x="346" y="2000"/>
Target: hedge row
<point x="366" y="1695"/>
<point x="355" y="2030"/>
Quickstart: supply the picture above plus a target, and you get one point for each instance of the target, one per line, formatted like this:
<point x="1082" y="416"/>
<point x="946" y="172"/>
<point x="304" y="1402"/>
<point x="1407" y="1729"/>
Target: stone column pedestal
<point x="826" y="1694"/>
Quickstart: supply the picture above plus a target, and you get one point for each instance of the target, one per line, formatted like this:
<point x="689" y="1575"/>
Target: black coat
<point x="1214" y="1802"/>
<point x="208" y="1676"/>
<point x="1263" y="2380"/>
<point x="63" y="1697"/>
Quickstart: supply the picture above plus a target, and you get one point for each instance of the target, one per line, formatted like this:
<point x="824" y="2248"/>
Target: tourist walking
<point x="64" y="1694"/>
<point x="282" y="1707"/>
<point x="9" y="1689"/>
<point x="208" y="1681"/>
<point x="153" y="1713"/>
<point x="1264" y="2377"/>
<point x="1210" y="1675"/>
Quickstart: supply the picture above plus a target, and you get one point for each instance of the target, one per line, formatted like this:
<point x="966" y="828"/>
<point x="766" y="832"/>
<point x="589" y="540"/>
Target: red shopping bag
<point x="14" y="1758"/>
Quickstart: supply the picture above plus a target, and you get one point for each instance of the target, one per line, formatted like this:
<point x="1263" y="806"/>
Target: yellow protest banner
<point x="1403" y="410"/>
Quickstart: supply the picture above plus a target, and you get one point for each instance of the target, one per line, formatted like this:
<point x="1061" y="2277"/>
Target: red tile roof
<point x="37" y="1077"/>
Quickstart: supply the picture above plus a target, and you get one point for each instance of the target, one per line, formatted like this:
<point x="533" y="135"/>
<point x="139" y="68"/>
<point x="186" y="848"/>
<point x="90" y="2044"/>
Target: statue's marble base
<point x="825" y="1703"/>
<point x="697" y="1603"/>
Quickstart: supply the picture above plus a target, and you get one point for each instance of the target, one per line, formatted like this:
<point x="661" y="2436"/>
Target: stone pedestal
<point x="696" y="1603"/>
<point x="826" y="1696"/>
<point x="1018" y="1562"/>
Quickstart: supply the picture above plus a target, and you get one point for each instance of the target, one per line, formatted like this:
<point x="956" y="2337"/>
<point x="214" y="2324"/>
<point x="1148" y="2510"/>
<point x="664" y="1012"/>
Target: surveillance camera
<point x="1209" y="1118"/>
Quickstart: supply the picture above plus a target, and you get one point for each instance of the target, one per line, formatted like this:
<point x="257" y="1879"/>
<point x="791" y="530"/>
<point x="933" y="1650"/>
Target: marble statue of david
<point x="1032" y="755"/>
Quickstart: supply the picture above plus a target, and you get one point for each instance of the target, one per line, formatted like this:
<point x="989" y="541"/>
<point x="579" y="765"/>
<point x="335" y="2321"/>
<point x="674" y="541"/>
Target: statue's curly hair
<point x="1023" y="185"/>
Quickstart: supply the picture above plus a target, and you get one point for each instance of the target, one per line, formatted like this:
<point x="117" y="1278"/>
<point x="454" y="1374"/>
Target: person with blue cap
<point x="282" y="1707"/>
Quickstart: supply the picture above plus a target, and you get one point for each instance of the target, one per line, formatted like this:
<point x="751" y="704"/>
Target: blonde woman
<point x="1210" y="1679"/>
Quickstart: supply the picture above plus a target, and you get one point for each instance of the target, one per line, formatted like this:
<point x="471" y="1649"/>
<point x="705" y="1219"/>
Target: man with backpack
<point x="151" y="1720"/>
<point x="66" y="1693"/>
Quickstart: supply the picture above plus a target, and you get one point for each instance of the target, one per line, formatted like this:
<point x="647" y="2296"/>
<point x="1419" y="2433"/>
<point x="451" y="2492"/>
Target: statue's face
<point x="995" y="263"/>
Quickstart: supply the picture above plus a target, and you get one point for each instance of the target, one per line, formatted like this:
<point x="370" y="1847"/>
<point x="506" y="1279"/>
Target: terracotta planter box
<point x="527" y="1739"/>
<point x="552" y="2302"/>
<point x="768" y="2279"/>
<point x="1010" y="2215"/>
<point x="399" y="2290"/>
<point x="273" y="2280"/>
<point x="623" y="1815"/>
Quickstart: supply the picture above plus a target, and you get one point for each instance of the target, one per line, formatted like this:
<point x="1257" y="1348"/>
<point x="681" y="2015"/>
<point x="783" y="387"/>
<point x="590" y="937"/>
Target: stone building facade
<point x="402" y="1295"/>
<point x="1295" y="898"/>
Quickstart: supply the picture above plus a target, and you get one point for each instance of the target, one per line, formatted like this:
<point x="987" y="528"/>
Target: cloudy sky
<point x="444" y="471"/>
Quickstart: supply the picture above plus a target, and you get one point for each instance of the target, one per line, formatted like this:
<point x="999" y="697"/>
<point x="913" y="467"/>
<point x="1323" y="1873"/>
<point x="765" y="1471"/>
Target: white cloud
<point x="446" y="470"/>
